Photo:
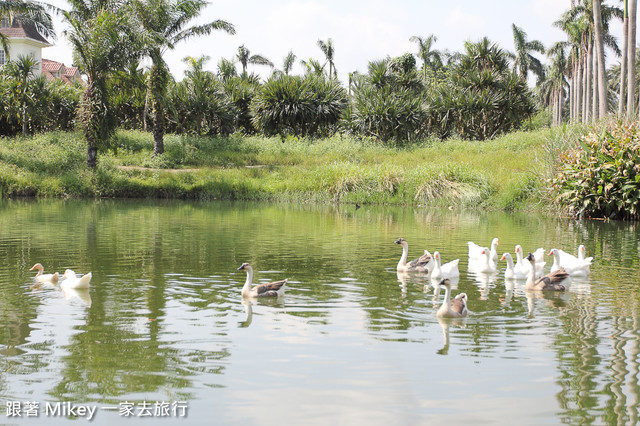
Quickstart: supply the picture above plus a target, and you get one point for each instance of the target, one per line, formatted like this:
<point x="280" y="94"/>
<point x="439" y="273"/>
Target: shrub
<point x="483" y="97"/>
<point x="600" y="176"/>
<point x="388" y="102"/>
<point x="299" y="106"/>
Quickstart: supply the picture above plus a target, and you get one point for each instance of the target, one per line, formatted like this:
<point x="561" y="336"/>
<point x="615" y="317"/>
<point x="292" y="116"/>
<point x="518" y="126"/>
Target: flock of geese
<point x="481" y="260"/>
<point x="485" y="260"/>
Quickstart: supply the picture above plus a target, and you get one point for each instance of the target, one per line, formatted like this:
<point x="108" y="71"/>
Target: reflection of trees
<point x="598" y="385"/>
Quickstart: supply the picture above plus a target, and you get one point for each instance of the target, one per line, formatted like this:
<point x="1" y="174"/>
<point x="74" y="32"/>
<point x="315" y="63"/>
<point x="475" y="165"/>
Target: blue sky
<point x="361" y="30"/>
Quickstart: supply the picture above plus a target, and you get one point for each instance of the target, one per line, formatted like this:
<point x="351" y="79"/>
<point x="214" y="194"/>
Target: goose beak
<point x="445" y="281"/>
<point x="398" y="241"/>
<point x="241" y="267"/>
<point x="503" y="258"/>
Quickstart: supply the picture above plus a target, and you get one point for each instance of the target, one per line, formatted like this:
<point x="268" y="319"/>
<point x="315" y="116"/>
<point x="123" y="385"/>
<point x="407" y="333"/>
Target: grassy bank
<point x="504" y="173"/>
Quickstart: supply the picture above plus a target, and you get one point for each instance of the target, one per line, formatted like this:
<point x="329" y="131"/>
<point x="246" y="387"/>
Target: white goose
<point x="553" y="281"/>
<point x="456" y="308"/>
<point x="41" y="277"/>
<point x="485" y="265"/>
<point x="580" y="262"/>
<point x="576" y="268"/>
<point x="448" y="270"/>
<point x="524" y="266"/>
<point x="273" y="289"/>
<point x="71" y="280"/>
<point x="475" y="251"/>
<point x="510" y="272"/>
<point x="422" y="264"/>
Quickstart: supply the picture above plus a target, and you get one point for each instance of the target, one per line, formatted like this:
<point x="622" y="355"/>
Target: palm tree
<point x="329" y="53"/>
<point x="104" y="39"/>
<point x="165" y="24"/>
<point x="430" y="57"/>
<point x="631" y="58"/>
<point x="226" y="69"/>
<point x="602" y="87"/>
<point x="623" y="61"/>
<point x="524" y="60"/>
<point x="23" y="70"/>
<point x="28" y="13"/>
<point x="552" y="88"/>
<point x="289" y="60"/>
<point x="313" y="66"/>
<point x="245" y="58"/>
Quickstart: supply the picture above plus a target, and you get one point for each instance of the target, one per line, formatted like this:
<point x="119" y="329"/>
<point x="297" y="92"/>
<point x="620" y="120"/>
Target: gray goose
<point x="422" y="264"/>
<point x="273" y="289"/>
<point x="456" y="308"/>
<point x="550" y="282"/>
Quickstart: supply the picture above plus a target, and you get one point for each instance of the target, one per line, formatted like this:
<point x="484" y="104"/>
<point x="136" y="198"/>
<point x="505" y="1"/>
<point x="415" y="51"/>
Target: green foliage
<point x="600" y="176"/>
<point x="483" y="98"/>
<point x="49" y="105"/>
<point x="299" y="106"/>
<point x="241" y="92"/>
<point x="339" y="168"/>
<point x="388" y="103"/>
<point x="198" y="104"/>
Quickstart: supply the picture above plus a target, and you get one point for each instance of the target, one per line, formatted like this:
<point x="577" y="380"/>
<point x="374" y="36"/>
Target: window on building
<point x="2" y="57"/>
<point x="4" y="23"/>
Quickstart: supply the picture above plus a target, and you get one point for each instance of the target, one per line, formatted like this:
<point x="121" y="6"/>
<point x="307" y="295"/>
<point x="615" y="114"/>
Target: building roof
<point x="22" y="30"/>
<point x="71" y="71"/>
<point x="51" y="66"/>
<point x="69" y="74"/>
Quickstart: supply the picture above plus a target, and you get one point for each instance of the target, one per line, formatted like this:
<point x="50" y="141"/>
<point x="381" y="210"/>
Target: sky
<point x="361" y="31"/>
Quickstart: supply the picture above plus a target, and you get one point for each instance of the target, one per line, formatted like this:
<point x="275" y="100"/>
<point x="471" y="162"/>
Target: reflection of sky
<point x="352" y="341"/>
<point x="57" y="320"/>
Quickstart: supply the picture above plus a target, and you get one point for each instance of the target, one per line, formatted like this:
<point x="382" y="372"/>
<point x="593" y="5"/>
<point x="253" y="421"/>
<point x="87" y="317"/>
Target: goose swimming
<point x="551" y="282"/>
<point x="41" y="277"/>
<point x="71" y="280"/>
<point x="456" y="308"/>
<point x="448" y="270"/>
<point x="423" y="264"/>
<point x="273" y="289"/>
<point x="510" y="271"/>
<point x="475" y="251"/>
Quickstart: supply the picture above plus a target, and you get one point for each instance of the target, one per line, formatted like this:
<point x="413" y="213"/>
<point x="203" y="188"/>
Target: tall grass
<point x="501" y="173"/>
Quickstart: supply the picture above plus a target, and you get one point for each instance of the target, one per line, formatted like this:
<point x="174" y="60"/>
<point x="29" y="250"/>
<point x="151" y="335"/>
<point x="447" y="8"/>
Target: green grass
<point x="505" y="173"/>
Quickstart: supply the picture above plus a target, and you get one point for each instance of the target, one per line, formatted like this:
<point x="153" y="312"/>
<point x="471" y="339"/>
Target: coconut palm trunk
<point x="586" y="107"/>
<point x="579" y="89"/>
<point x="631" y="60"/>
<point x="602" y="82"/>
<point x="623" y="62"/>
<point x="594" y="86"/>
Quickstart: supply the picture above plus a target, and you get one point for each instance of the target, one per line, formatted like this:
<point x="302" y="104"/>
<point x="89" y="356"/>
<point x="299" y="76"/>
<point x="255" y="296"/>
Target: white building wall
<point x="26" y="47"/>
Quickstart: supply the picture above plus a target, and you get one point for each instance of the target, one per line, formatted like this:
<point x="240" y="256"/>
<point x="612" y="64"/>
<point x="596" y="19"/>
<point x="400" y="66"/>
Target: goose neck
<point x="405" y="254"/>
<point x="246" y="289"/>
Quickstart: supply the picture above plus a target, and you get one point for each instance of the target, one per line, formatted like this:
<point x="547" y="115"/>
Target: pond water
<point x="164" y="332"/>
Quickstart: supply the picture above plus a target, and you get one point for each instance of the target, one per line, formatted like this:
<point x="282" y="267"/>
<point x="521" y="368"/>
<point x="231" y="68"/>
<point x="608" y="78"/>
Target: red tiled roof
<point x="71" y="71"/>
<point x="21" y="30"/>
<point x="50" y="65"/>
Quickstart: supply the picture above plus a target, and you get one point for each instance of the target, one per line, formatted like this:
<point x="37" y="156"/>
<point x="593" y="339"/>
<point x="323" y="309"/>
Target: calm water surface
<point x="351" y="343"/>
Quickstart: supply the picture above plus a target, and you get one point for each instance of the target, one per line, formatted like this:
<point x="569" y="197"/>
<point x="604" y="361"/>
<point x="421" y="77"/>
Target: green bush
<point x="600" y="175"/>
<point x="299" y="106"/>
<point x="388" y="102"/>
<point x="483" y="97"/>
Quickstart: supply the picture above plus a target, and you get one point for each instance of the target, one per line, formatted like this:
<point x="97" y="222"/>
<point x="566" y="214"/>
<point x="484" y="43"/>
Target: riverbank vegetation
<point x="426" y="127"/>
<point x="500" y="173"/>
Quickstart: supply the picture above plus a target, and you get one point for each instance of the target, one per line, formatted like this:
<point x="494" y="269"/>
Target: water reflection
<point x="165" y="319"/>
